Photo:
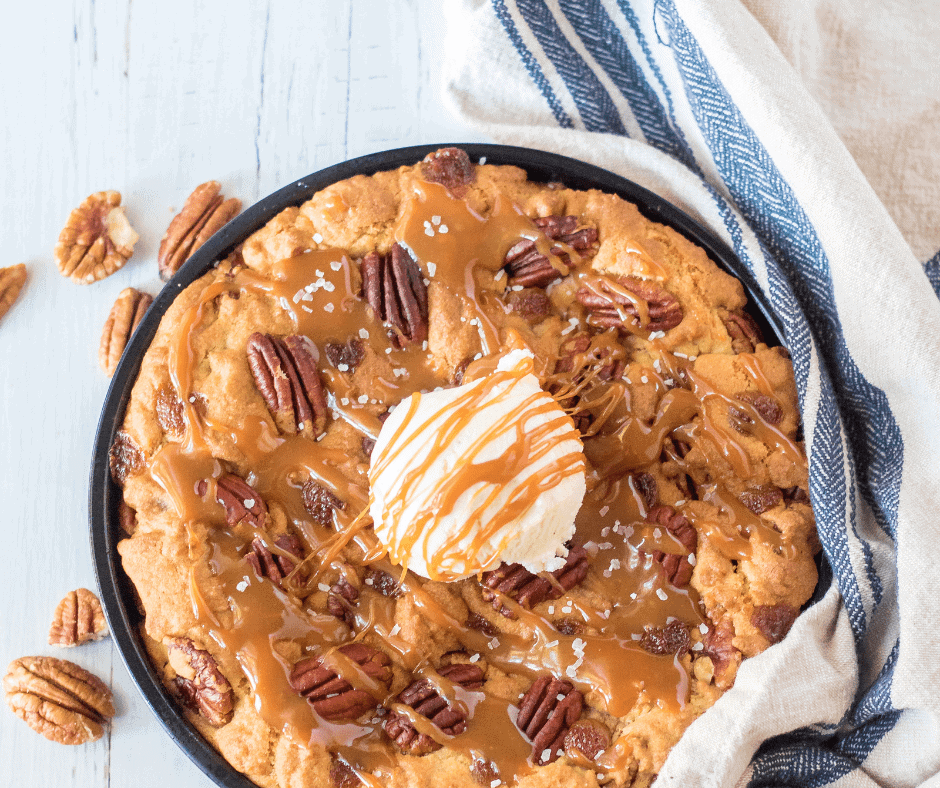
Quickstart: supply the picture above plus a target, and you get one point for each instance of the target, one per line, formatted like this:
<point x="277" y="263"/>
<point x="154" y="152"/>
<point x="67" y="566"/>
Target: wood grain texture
<point x="152" y="99"/>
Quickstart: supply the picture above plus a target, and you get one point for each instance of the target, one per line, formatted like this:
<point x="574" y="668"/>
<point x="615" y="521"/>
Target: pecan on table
<point x="241" y="501"/>
<point x="451" y="168"/>
<point x="677" y="568"/>
<point x="394" y="287"/>
<point x="204" y="213"/>
<point x="12" y="279"/>
<point x="673" y="638"/>
<point x="527" y="589"/>
<point x="608" y="306"/>
<point x="744" y="332"/>
<point x="127" y="312"/>
<point x="285" y="373"/>
<point x="124" y="458"/>
<point x="528" y="267"/>
<point x="331" y="696"/>
<point x="58" y="699"/>
<point x="341" y="599"/>
<point x="423" y="698"/>
<point x="97" y="239"/>
<point x="78" y="619"/>
<point x="320" y="503"/>
<point x="199" y="683"/>
<point x="275" y="565"/>
<point x="546" y="712"/>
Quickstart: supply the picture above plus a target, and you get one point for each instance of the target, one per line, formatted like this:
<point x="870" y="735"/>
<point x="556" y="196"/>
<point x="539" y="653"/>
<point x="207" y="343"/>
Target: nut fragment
<point x="320" y="503"/>
<point x="383" y="582"/>
<point x="518" y="583"/>
<point x="451" y="168"/>
<point x="744" y="332"/>
<point x="766" y="407"/>
<point x="125" y="315"/>
<point x="530" y="304"/>
<point x="673" y="638"/>
<point x="394" y="287"/>
<point x="97" y="239"/>
<point x="58" y="699"/>
<point x="528" y="267"/>
<point x="618" y="301"/>
<point x="346" y="356"/>
<point x="332" y="696"/>
<point x="546" y="711"/>
<point x="774" y="621"/>
<point x="586" y="738"/>
<point x="341" y="599"/>
<point x="285" y="373"/>
<point x="204" y="213"/>
<point x="199" y="683"/>
<point x="276" y="566"/>
<point x="760" y="499"/>
<point x="240" y="500"/>
<point x="677" y="568"/>
<point x="421" y="696"/>
<point x="12" y="279"/>
<point x="78" y="619"/>
<point x="124" y="458"/>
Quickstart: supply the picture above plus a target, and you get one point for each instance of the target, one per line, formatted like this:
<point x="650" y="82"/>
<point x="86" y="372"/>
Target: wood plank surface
<point x="152" y="99"/>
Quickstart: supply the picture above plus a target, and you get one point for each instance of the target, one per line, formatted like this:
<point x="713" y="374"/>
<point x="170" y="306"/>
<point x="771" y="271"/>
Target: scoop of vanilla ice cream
<point x="465" y="478"/>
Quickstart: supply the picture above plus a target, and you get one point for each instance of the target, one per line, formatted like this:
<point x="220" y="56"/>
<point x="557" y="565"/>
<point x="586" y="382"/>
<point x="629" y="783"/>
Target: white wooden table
<point x="151" y="99"/>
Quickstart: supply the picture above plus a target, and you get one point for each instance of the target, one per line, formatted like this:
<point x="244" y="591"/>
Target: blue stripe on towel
<point x="594" y="103"/>
<point x="532" y="65"/>
<point x="932" y="269"/>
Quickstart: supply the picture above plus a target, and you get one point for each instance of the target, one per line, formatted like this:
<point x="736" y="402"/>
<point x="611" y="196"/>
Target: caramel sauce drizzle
<point x="319" y="291"/>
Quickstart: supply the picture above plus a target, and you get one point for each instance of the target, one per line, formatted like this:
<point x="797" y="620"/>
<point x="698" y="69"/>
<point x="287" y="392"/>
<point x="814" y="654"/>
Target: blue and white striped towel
<point x="693" y="100"/>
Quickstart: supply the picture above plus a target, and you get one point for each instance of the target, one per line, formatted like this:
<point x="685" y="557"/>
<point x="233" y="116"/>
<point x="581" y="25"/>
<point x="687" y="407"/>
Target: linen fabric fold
<point x="694" y="100"/>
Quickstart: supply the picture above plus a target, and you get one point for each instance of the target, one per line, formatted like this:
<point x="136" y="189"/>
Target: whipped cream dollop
<point x="466" y="478"/>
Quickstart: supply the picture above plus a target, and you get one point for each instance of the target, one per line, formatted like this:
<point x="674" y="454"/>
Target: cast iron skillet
<point x="117" y="593"/>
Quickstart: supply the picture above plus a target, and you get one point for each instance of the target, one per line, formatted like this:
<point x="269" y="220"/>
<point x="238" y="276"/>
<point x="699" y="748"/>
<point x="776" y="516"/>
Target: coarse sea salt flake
<point x="327" y="307"/>
<point x="475" y="658"/>
<point x="318" y="239"/>
<point x="604" y="510"/>
<point x="691" y="559"/>
<point x="363" y="333"/>
<point x="429" y="232"/>
<point x="395" y="630"/>
<point x="363" y="399"/>
<point x="432" y="269"/>
<point x="336" y="265"/>
<point x="323" y="586"/>
<point x="306" y="308"/>
<point x="661" y="594"/>
<point x="442" y="229"/>
<point x="435" y="220"/>
<point x="249" y="502"/>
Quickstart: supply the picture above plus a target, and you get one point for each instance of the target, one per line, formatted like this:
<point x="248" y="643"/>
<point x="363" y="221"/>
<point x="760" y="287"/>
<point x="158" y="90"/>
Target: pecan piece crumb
<point x="394" y="287"/>
<point x="128" y="310"/>
<point x="345" y="356"/>
<point x="199" y="683"/>
<point x="97" y="239"/>
<point x="421" y="696"/>
<point x="546" y="712"/>
<point x="518" y="583"/>
<point x="586" y="738"/>
<point x="760" y="499"/>
<point x="286" y="376"/>
<point x="320" y="503"/>
<point x="331" y="695"/>
<point x="528" y="267"/>
<point x="610" y="306"/>
<point x="766" y="407"/>
<point x="78" y="619"/>
<point x="774" y="621"/>
<point x="124" y="457"/>
<point x="276" y="565"/>
<point x="12" y="279"/>
<point x="341" y="600"/>
<point x="673" y="638"/>
<point x="451" y="168"/>
<point x="241" y="501"/>
<point x="744" y="332"/>
<point x="204" y="213"/>
<point x="382" y="582"/>
<point x="60" y="700"/>
<point x="677" y="568"/>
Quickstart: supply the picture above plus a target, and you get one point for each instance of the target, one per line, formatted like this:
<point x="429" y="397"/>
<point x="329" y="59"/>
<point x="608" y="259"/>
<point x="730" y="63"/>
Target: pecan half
<point x="346" y="356"/>
<point x="124" y="458"/>
<point x="645" y="484"/>
<point x="528" y="267"/>
<point x="423" y="698"/>
<point x="546" y="712"/>
<point x="285" y="373"/>
<point x="587" y="738"/>
<point x="767" y="408"/>
<point x="531" y="305"/>
<point x="204" y="213"/>
<point x="518" y="583"/>
<point x="342" y="775"/>
<point x="275" y="565"/>
<point x="394" y="287"/>
<point x="127" y="312"/>
<point x="341" y="599"/>
<point x="97" y="239"/>
<point x="673" y="638"/>
<point x="332" y="696"/>
<point x="451" y="168"/>
<point x="744" y="332"/>
<point x="58" y="699"/>
<point x="199" y="683"/>
<point x="774" y="621"/>
<point x="609" y="306"/>
<point x="717" y="645"/>
<point x="677" y="568"/>
<point x="240" y="500"/>
<point x="320" y="503"/>
<point x="760" y="499"/>
<point x="480" y="624"/>
<point x="78" y="619"/>
<point x="12" y="279"/>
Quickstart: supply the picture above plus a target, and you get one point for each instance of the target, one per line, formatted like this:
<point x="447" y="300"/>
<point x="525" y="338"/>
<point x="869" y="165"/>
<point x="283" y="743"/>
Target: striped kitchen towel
<point x="693" y="99"/>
